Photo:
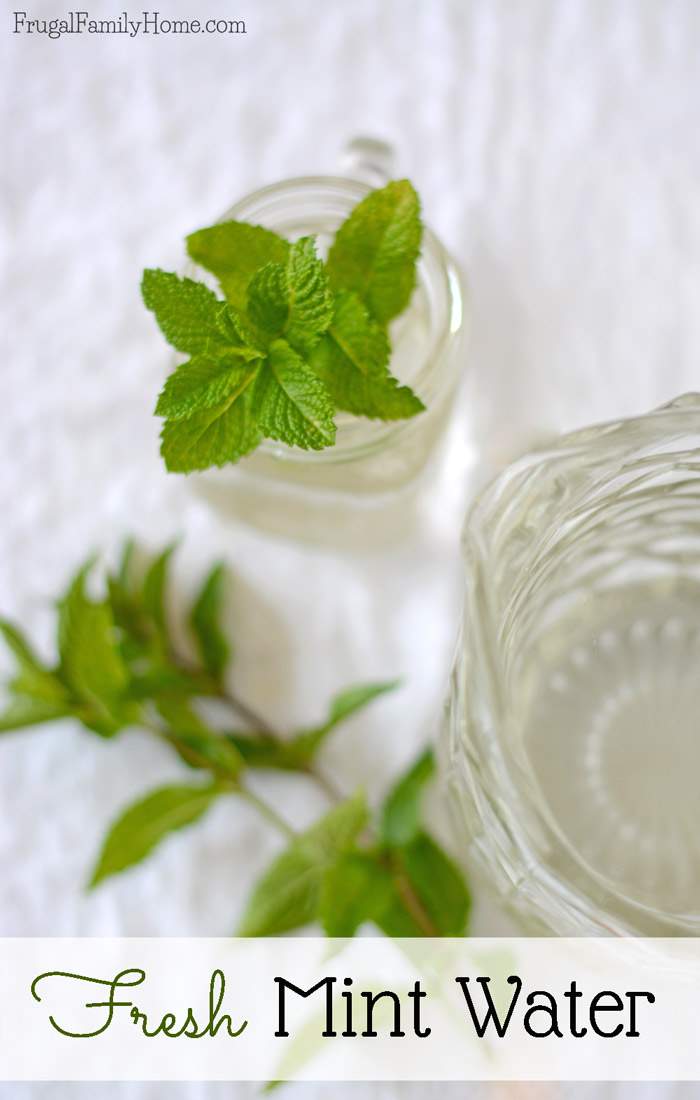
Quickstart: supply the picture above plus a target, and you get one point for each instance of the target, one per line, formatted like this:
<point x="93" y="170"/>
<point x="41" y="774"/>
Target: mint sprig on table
<point x="121" y="662"/>
<point x="293" y="339"/>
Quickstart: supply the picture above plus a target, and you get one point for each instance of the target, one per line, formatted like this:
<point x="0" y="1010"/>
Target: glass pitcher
<point x="573" y="729"/>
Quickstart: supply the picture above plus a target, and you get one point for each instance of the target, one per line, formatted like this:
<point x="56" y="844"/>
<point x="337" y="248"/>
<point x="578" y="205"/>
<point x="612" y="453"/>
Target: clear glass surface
<point x="573" y="729"/>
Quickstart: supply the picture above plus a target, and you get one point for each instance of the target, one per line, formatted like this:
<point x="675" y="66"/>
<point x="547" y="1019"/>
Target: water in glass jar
<point x="612" y="742"/>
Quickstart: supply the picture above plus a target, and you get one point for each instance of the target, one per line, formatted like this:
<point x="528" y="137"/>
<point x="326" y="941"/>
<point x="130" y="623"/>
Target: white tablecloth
<point x="557" y="151"/>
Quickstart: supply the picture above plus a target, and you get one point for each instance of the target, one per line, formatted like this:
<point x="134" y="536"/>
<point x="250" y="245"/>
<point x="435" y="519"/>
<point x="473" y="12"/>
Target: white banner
<point x="335" y="1010"/>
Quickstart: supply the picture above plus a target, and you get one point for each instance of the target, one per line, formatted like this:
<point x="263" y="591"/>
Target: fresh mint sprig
<point x="293" y="340"/>
<point x="119" y="665"/>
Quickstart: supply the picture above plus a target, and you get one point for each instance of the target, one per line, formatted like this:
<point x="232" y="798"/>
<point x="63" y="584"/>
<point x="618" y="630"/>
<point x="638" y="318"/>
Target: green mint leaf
<point x="144" y="824"/>
<point x="212" y="437"/>
<point x="288" y="894"/>
<point x="234" y="252"/>
<point x="343" y="706"/>
<point x="27" y="711"/>
<point x="18" y="645"/>
<point x="259" y="751"/>
<point x="290" y="402"/>
<point x="310" y="297"/>
<point x="439" y="886"/>
<point x="205" y="620"/>
<point x="356" y="889"/>
<point x="186" y="311"/>
<point x="375" y="250"/>
<point x="268" y="300"/>
<point x="194" y="741"/>
<point x="91" y="663"/>
<point x="155" y="591"/>
<point x="352" y="359"/>
<point x="202" y="383"/>
<point x="126" y="561"/>
<point x="292" y="300"/>
<point x="32" y="679"/>
<point x="355" y="698"/>
<point x="210" y="751"/>
<point x="400" y="821"/>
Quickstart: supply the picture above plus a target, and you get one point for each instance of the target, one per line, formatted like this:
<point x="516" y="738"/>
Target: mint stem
<point x="259" y="725"/>
<point x="267" y="811"/>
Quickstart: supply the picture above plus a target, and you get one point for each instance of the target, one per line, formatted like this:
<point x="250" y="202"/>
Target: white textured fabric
<point x="557" y="150"/>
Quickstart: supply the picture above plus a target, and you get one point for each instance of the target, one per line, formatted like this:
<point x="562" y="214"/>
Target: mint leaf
<point x="343" y="706"/>
<point x="154" y="590"/>
<point x="439" y="885"/>
<point x="259" y="751"/>
<point x="357" y="888"/>
<point x="375" y="250"/>
<point x="20" y="647"/>
<point x="400" y="820"/>
<point x="197" y="744"/>
<point x="310" y="297"/>
<point x="126" y="561"/>
<point x="352" y="359"/>
<point x="205" y="618"/>
<point x="292" y="300"/>
<point x="234" y="252"/>
<point x="288" y="894"/>
<point x="355" y="698"/>
<point x="414" y="891"/>
<point x="281" y="398"/>
<point x="27" y="711"/>
<point x="199" y="384"/>
<point x="186" y="311"/>
<point x="32" y="679"/>
<point x="290" y="402"/>
<point x="268" y="300"/>
<point x="213" y="437"/>
<point x="91" y="663"/>
<point x="140" y="828"/>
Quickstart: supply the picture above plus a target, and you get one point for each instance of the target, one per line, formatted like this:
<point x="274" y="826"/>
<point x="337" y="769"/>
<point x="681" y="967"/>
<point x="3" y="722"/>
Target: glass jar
<point x="360" y="484"/>
<point x="573" y="730"/>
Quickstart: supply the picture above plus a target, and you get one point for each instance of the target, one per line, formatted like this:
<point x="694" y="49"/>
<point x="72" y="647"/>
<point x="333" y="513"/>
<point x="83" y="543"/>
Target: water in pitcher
<point x="612" y="742"/>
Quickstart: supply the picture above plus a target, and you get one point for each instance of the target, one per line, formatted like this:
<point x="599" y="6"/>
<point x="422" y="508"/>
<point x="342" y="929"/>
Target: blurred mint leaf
<point x="195" y="742"/>
<point x="91" y="664"/>
<point x="32" y="678"/>
<point x="290" y="402"/>
<point x="401" y="812"/>
<point x="154" y="591"/>
<point x="343" y="706"/>
<point x="205" y="621"/>
<point x="357" y="888"/>
<point x="144" y="824"/>
<point x="24" y="710"/>
<point x="259" y="751"/>
<point x="126" y="560"/>
<point x="439" y="885"/>
<point x="292" y="300"/>
<point x="375" y="250"/>
<point x="234" y="251"/>
<point x="352" y="359"/>
<point x="289" y="892"/>
<point x="20" y="647"/>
